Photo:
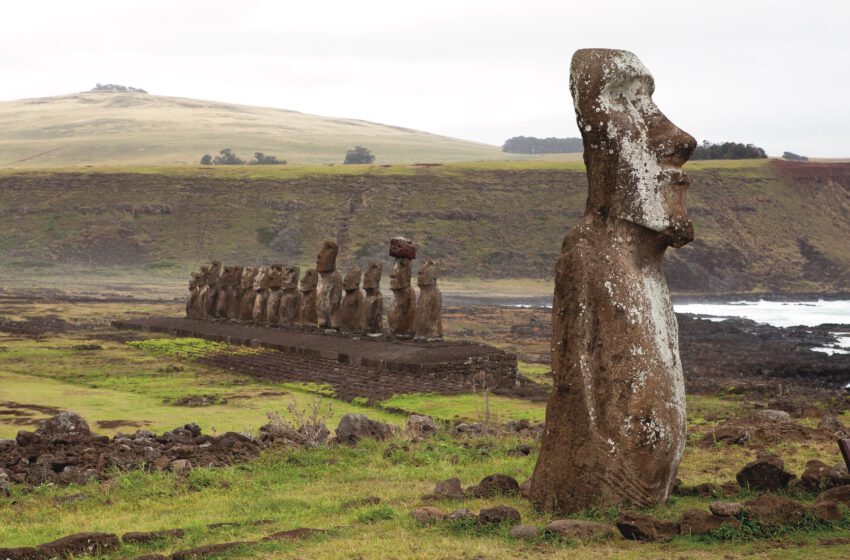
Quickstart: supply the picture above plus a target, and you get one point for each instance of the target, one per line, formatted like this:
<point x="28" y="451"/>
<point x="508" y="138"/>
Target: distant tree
<point x="117" y="87"/>
<point x="532" y="145"/>
<point x="206" y="160"/>
<point x="728" y="150"/>
<point x="791" y="156"/>
<point x="227" y="157"/>
<point x="359" y="154"/>
<point x="261" y="159"/>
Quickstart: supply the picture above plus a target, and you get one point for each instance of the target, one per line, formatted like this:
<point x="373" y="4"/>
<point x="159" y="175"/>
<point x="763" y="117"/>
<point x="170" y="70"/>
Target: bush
<point x="227" y="157"/>
<point x="262" y="159"/>
<point x="727" y="150"/>
<point x="791" y="156"/>
<point x="359" y="154"/>
<point x="206" y="160"/>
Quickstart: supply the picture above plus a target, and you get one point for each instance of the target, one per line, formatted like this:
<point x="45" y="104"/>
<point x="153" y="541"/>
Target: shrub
<point x="359" y="154"/>
<point x="532" y="145"/>
<point x="227" y="157"/>
<point x="206" y="160"/>
<point x="727" y="150"/>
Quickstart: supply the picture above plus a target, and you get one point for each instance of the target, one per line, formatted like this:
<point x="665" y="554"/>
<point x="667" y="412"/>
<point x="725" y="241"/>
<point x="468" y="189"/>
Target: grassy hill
<point x="761" y="226"/>
<point x="117" y="128"/>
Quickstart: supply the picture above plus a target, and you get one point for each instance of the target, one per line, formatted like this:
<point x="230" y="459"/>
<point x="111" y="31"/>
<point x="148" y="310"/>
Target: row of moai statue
<point x="324" y="298"/>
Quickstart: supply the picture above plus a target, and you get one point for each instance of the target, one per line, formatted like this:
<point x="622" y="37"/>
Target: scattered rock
<point x="726" y="509"/>
<point x="642" y="527"/>
<point x="579" y="530"/>
<point x="767" y="472"/>
<point x="64" y="427"/>
<point x="199" y="400"/>
<point x="461" y="514"/>
<point x="180" y="466"/>
<point x="840" y="494"/>
<point x="362" y="502"/>
<point x="773" y="416"/>
<point x="496" y="485"/>
<point x="527" y="532"/>
<point x="819" y="476"/>
<point x="449" y="489"/>
<point x="832" y="425"/>
<point x="80" y="544"/>
<point x="419" y="426"/>
<point x="427" y="515"/>
<point x="731" y="434"/>
<point x="518" y="425"/>
<point x="699" y="522"/>
<point x="206" y="550"/>
<point x="146" y="537"/>
<point x="85" y="347"/>
<point x="775" y="510"/>
<point x="23" y="553"/>
<point x="293" y="534"/>
<point x="826" y="511"/>
<point x="499" y="514"/>
<point x="354" y="427"/>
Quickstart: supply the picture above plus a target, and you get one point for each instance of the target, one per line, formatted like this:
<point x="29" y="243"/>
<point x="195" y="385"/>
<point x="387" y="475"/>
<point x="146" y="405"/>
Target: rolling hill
<point x="121" y="128"/>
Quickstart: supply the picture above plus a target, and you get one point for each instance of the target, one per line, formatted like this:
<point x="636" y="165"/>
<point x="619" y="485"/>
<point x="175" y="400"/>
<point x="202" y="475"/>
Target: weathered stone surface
<point x="329" y="293"/>
<point x="373" y="312"/>
<point x="527" y="532"/>
<point x="840" y="494"/>
<point x="138" y="537"/>
<point x="499" y="514"/>
<point x="261" y="294"/>
<point x="449" y="489"/>
<point x="308" y="314"/>
<point x="65" y="426"/>
<point x="427" y="514"/>
<point x="22" y="553"/>
<point x="726" y="509"/>
<point x="616" y="426"/>
<point x="819" y="476"/>
<point x="420" y="426"/>
<point x="291" y="298"/>
<point x="579" y="529"/>
<point x="272" y="312"/>
<point x="699" y="522"/>
<point x="353" y="302"/>
<point x="180" y="466"/>
<point x="642" y="527"/>
<point x="767" y="472"/>
<point x="496" y="485"/>
<point x="772" y="416"/>
<point x="234" y="294"/>
<point x="247" y="293"/>
<point x="354" y="427"/>
<point x="205" y="551"/>
<point x="80" y="544"/>
<point x="401" y="316"/>
<point x="826" y="511"/>
<point x="461" y="514"/>
<point x="194" y="291"/>
<point x="210" y="292"/>
<point x="775" y="510"/>
<point x="429" y="306"/>
<point x="293" y="534"/>
<point x="402" y="248"/>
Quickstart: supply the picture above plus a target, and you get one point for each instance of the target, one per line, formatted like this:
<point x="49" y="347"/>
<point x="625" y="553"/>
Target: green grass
<point x="467" y="407"/>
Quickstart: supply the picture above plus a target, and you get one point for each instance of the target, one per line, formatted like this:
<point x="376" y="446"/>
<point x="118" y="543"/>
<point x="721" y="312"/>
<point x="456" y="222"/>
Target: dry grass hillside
<point x="118" y="128"/>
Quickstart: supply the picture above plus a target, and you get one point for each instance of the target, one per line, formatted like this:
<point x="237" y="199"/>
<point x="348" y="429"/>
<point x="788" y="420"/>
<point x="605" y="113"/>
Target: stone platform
<point x="375" y="368"/>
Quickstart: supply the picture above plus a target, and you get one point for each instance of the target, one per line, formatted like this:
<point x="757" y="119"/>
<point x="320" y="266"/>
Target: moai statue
<point x="198" y="304"/>
<point x="275" y="293"/>
<point x="261" y="294"/>
<point x="329" y="293"/>
<point x="373" y="312"/>
<point x="246" y="303"/>
<point x="224" y="288"/>
<point x="210" y="295"/>
<point x="351" y="310"/>
<point x="194" y="291"/>
<point x="615" y="422"/>
<point x="290" y="303"/>
<point x="429" y="306"/>
<point x="401" y="316"/>
<point x="234" y="295"/>
<point x="308" y="314"/>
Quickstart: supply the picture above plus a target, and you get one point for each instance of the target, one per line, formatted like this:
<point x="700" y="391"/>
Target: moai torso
<point x="351" y="310"/>
<point x="261" y="294"/>
<point x="329" y="293"/>
<point x="429" y="306"/>
<point x="194" y="290"/>
<point x="308" y="314"/>
<point x="234" y="294"/>
<point x="246" y="303"/>
<point x="211" y="294"/>
<point x="615" y="422"/>
<point x="224" y="288"/>
<point x="275" y="293"/>
<point x="373" y="312"/>
<point x="290" y="303"/>
<point x="198" y="303"/>
<point x="401" y="316"/>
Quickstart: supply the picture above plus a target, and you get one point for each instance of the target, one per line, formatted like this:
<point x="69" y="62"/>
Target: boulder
<point x="770" y="509"/>
<point x="579" y="530"/>
<point x="22" y="553"/>
<point x="426" y="515"/>
<point x="526" y="532"/>
<point x="840" y="494"/>
<point x="449" y="489"/>
<point x="354" y="427"/>
<point x="642" y="527"/>
<point x="772" y="416"/>
<point x="767" y="472"/>
<point x="699" y="522"/>
<point x="180" y="466"/>
<point x="726" y="509"/>
<point x="826" y="511"/>
<point x="460" y="514"/>
<point x="150" y="536"/>
<point x="402" y="248"/>
<point x="815" y="476"/>
<point x="67" y="426"/>
<point x="833" y="426"/>
<point x="419" y="426"/>
<point x="80" y="544"/>
<point x="499" y="514"/>
<point x="496" y="485"/>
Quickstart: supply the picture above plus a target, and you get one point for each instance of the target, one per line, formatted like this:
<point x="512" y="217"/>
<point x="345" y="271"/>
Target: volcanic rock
<point x="527" y="532"/>
<point x="726" y="509"/>
<point x="775" y="510"/>
<point x="67" y="427"/>
<point x="498" y="514"/>
<point x="839" y="494"/>
<point x="579" y="529"/>
<point x="496" y="485"/>
<point x="699" y="522"/>
<point x="206" y="550"/>
<point x="449" y="489"/>
<point x="427" y="514"/>
<point x="642" y="527"/>
<point x="402" y="248"/>
<point x="22" y="553"/>
<point x="767" y="472"/>
<point x="354" y="427"/>
<point x="149" y="536"/>
<point x="80" y="544"/>
<point x="826" y="511"/>
<point x="419" y="426"/>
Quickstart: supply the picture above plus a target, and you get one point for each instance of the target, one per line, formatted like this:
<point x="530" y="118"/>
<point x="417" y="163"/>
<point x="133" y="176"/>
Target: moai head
<point x="372" y="278"/>
<point x="326" y="259"/>
<point x="214" y="274"/>
<point x="248" y="274"/>
<point x="203" y="276"/>
<point x="235" y="276"/>
<point x="275" y="276"/>
<point x="225" y="276"/>
<point x="427" y="274"/>
<point x="261" y="279"/>
<point x="194" y="280"/>
<point x="290" y="277"/>
<point x="400" y="276"/>
<point x="633" y="153"/>
<point x="351" y="280"/>
<point x="402" y="248"/>
<point x="309" y="281"/>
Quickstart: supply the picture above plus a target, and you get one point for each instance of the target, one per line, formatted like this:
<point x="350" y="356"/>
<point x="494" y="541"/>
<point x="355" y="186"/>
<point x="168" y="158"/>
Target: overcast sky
<point x="774" y="73"/>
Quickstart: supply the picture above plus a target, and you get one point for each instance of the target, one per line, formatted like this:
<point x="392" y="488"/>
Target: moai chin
<point x="246" y="304"/>
<point x="329" y="293"/>
<point x="234" y="295"/>
<point x="401" y="316"/>
<point x="308" y="314"/>
<point x="429" y="306"/>
<point x="262" y="281"/>
<point x="275" y="293"/>
<point x="615" y="422"/>
<point x="290" y="303"/>
<point x="210" y="295"/>
<point x="352" y="307"/>
<point x="373" y="309"/>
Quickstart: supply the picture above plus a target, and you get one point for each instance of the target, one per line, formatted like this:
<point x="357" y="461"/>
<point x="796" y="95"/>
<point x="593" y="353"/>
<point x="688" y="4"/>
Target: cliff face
<point x="761" y="226"/>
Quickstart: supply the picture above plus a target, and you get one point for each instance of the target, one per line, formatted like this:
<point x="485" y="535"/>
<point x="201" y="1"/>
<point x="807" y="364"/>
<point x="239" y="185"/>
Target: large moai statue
<point x="234" y="295"/>
<point x="194" y="292"/>
<point x="224" y="288"/>
<point x="373" y="308"/>
<point x="329" y="294"/>
<point x="429" y="306"/>
<point x="261" y="294"/>
<point x="201" y="283"/>
<point x="247" y="293"/>
<point x="615" y="421"/>
<point x="275" y="294"/>
<point x="308" y="314"/>
<point x="351" y="309"/>
<point x="401" y="316"/>
<point x="210" y="294"/>
<point x="290" y="302"/>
